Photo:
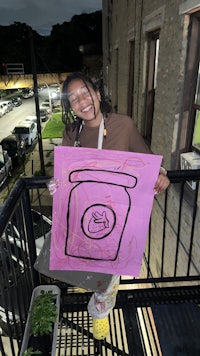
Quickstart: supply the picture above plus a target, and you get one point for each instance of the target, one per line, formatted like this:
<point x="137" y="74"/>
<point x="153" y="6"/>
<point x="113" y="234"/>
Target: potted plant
<point x="41" y="327"/>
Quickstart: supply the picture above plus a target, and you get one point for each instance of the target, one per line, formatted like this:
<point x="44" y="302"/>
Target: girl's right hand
<point x="52" y="185"/>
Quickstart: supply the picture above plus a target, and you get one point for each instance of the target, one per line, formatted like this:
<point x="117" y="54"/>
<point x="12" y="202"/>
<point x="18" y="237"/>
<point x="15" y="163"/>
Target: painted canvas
<point x="101" y="209"/>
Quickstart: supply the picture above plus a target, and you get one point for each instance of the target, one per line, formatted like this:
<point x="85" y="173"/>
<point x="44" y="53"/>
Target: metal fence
<point x="168" y="284"/>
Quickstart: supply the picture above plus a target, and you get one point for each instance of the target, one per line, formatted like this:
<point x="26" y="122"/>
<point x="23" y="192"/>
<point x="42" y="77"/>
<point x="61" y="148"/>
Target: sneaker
<point x="100" y="328"/>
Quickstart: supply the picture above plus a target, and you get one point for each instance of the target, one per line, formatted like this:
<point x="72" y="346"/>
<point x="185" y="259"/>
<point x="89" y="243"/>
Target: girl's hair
<point x="68" y="117"/>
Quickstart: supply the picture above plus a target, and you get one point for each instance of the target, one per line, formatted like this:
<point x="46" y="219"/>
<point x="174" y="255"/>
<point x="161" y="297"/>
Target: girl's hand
<point x="52" y="185"/>
<point x="162" y="183"/>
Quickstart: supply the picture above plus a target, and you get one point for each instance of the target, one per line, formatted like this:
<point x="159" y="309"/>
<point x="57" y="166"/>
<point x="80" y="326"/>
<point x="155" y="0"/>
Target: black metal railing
<point x="170" y="271"/>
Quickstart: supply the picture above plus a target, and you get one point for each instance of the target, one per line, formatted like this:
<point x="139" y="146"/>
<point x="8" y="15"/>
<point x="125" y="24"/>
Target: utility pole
<point x="35" y="88"/>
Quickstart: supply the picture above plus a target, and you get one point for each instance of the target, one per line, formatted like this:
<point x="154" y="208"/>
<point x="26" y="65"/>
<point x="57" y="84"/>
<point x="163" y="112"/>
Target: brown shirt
<point x="121" y="135"/>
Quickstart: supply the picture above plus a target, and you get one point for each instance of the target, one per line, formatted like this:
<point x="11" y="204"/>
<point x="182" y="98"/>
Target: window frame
<point x="151" y="72"/>
<point x="192" y="67"/>
<point x="130" y="103"/>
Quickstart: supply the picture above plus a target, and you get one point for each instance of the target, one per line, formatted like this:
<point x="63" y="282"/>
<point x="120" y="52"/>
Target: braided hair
<point x="69" y="119"/>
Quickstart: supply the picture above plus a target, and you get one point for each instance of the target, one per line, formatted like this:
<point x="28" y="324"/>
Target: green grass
<point x="54" y="127"/>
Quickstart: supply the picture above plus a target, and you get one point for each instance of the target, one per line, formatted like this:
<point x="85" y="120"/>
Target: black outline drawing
<point x="83" y="175"/>
<point x="106" y="232"/>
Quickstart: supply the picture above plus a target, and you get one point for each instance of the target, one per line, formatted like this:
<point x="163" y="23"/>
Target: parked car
<point x="46" y="105"/>
<point x="2" y="110"/>
<point x="52" y="103"/>
<point x="27" y="93"/>
<point x="5" y="166"/>
<point x="27" y="131"/>
<point x="15" y="148"/>
<point x="44" y="115"/>
<point x="17" y="101"/>
<point x="8" y="104"/>
<point x="4" y="107"/>
<point x="31" y="118"/>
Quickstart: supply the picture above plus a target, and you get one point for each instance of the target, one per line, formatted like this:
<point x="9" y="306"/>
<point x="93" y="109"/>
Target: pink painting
<point x="101" y="209"/>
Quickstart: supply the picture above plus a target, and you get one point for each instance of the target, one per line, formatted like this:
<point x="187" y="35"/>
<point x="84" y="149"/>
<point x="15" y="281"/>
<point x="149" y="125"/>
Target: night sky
<point x="41" y="15"/>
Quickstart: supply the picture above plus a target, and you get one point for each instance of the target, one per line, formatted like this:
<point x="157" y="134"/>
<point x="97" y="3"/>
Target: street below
<point x="12" y="118"/>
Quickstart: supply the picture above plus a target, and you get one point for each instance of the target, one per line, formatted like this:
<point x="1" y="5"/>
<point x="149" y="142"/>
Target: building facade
<point x="151" y="62"/>
<point x="151" y="69"/>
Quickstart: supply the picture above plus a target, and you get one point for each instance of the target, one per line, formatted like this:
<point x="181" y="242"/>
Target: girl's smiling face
<point x="85" y="102"/>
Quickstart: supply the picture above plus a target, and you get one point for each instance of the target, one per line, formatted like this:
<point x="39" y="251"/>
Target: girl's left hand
<point x="162" y="183"/>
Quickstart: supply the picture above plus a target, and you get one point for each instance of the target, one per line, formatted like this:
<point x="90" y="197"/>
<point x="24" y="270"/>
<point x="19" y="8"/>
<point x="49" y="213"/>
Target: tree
<point x="59" y="52"/>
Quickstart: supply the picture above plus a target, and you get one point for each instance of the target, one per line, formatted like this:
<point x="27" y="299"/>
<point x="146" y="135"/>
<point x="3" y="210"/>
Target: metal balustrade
<point x="167" y="289"/>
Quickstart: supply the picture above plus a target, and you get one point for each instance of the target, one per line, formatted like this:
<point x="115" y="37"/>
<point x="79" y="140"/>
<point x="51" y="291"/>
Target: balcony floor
<point x="149" y="329"/>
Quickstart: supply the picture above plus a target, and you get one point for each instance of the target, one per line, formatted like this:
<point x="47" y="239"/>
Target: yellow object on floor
<point x="81" y="290"/>
<point x="100" y="328"/>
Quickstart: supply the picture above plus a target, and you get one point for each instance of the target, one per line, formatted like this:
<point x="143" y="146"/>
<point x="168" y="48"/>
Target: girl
<point x="89" y="122"/>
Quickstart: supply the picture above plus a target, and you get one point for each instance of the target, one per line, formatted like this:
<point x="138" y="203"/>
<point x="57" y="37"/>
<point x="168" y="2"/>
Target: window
<point x="152" y="66"/>
<point x="116" y="80"/>
<point x="131" y="79"/>
<point x="21" y="130"/>
<point x="191" y="102"/>
<point x="196" y="132"/>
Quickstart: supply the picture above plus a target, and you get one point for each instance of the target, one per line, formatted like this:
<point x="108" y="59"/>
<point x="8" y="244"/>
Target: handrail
<point x="183" y="175"/>
<point x="170" y="270"/>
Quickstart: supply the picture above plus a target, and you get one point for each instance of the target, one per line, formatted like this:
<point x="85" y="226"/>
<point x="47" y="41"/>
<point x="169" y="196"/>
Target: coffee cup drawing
<point x="98" y="209"/>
